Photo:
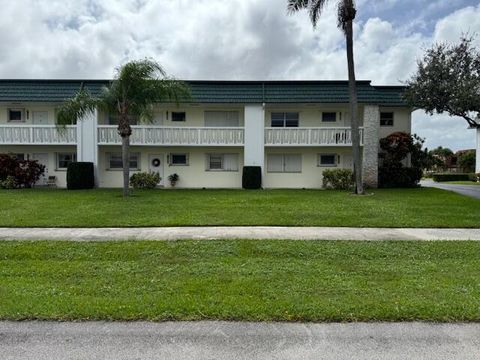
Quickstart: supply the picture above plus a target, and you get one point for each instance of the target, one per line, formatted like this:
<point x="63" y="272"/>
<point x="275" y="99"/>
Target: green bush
<point x="80" y="175"/>
<point x="173" y="178"/>
<point x="398" y="177"/>
<point x="145" y="180"/>
<point x="252" y="177"/>
<point x="340" y="179"/>
<point x="451" y="177"/>
<point x="8" y="183"/>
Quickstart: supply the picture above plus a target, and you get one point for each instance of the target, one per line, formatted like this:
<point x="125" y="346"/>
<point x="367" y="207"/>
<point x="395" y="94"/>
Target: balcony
<point x="339" y="136"/>
<point x="37" y="135"/>
<point x="174" y="136"/>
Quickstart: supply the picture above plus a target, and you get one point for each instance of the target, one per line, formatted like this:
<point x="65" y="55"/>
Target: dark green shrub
<point x="340" y="179"/>
<point x="451" y="177"/>
<point x="145" y="180"/>
<point x="252" y="177"/>
<point x="80" y="175"/>
<point x="398" y="177"/>
<point x="8" y="183"/>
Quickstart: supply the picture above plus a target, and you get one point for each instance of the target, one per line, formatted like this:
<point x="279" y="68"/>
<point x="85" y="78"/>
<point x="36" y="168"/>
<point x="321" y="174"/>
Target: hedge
<point x="451" y="177"/>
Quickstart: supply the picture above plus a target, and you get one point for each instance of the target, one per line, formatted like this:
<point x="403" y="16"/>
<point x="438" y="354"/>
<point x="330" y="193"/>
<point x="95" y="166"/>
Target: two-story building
<point x="294" y="130"/>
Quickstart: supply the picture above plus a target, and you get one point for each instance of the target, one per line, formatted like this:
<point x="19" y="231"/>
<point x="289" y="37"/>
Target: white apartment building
<point x="294" y="130"/>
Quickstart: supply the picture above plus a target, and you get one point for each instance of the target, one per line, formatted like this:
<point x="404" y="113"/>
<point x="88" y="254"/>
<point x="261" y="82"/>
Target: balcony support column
<point x="87" y="144"/>
<point x="371" y="124"/>
<point x="254" y="151"/>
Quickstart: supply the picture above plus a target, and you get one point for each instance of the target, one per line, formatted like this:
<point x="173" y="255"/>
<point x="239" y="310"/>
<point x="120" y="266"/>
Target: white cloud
<point x="219" y="39"/>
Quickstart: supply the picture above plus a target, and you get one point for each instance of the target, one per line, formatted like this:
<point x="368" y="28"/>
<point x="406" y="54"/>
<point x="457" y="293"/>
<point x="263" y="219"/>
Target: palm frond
<point x="315" y="10"/>
<point x="346" y="12"/>
<point x="297" y="5"/>
<point x="74" y="109"/>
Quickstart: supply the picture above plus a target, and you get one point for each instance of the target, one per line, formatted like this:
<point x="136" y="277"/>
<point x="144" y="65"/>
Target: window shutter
<point x="230" y="162"/>
<point x="222" y="119"/>
<point x="293" y="163"/>
<point x="275" y="163"/>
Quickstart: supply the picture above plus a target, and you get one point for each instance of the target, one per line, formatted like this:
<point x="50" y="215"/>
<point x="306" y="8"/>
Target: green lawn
<point x="420" y="207"/>
<point x="461" y="182"/>
<point x="241" y="280"/>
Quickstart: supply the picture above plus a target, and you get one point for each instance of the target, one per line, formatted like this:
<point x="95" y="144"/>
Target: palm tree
<point x="346" y="14"/>
<point x="137" y="87"/>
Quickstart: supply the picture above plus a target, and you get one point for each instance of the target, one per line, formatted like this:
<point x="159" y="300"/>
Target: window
<point x="284" y="119"/>
<point x="325" y="160"/>
<point x="115" y="161"/>
<point x="386" y="119"/>
<point x="222" y="162"/>
<point x="19" y="156"/>
<point x="329" y="117"/>
<point x="16" y="115"/>
<point x="222" y="118"/>
<point x="179" y="116"/>
<point x="63" y="159"/>
<point x="178" y="159"/>
<point x="284" y="163"/>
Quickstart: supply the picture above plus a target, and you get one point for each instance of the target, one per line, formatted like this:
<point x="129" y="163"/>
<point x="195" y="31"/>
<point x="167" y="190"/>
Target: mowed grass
<point x="422" y="207"/>
<point x="241" y="280"/>
<point x="461" y="182"/>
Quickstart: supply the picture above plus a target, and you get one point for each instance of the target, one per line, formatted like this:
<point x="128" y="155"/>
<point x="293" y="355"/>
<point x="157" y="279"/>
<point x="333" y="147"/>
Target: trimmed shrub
<point x="451" y="177"/>
<point x="145" y="180"/>
<point x="398" y="177"/>
<point x="339" y="179"/>
<point x="252" y="177"/>
<point x="80" y="176"/>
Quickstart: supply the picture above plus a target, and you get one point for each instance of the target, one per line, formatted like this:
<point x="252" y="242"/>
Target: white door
<point x="155" y="162"/>
<point x="40" y="117"/>
<point x="42" y="158"/>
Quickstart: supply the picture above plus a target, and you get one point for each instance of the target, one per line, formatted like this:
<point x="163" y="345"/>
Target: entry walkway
<point x="233" y="232"/>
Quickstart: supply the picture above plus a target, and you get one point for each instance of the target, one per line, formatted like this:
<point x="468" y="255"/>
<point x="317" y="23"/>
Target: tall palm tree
<point x="346" y="14"/>
<point x="136" y="88"/>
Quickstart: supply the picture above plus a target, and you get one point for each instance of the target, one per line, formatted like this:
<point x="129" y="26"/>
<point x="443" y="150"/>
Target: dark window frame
<point x="387" y="118"/>
<point x="182" y="118"/>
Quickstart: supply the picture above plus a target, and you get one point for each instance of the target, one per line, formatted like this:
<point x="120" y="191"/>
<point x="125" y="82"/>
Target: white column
<point x="371" y="126"/>
<point x="477" y="164"/>
<point x="254" y="151"/>
<point x="87" y="144"/>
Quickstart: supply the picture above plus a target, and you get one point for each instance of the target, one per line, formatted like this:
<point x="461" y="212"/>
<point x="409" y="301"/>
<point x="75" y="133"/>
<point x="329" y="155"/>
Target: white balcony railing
<point x="340" y="136"/>
<point x="38" y="135"/>
<point x="186" y="136"/>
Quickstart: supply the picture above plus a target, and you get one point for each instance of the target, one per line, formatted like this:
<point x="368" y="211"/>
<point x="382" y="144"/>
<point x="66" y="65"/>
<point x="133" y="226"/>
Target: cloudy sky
<point x="233" y="39"/>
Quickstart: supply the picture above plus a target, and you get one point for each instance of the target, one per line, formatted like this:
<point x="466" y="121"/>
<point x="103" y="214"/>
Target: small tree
<point x="466" y="161"/>
<point x="448" y="81"/>
<point x="136" y="88"/>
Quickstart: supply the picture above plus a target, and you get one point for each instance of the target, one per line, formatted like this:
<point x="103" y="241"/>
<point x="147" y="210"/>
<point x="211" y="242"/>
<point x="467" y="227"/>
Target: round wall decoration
<point x="156" y="162"/>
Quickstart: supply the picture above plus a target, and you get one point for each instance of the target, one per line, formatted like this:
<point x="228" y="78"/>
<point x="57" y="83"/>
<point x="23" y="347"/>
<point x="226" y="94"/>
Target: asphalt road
<point x="468" y="190"/>
<point x="230" y="340"/>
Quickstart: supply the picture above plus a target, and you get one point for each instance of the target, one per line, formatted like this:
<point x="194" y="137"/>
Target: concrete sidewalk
<point x="234" y="340"/>
<point x="232" y="232"/>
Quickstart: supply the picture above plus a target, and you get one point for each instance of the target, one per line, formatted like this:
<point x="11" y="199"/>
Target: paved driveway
<point x="230" y="340"/>
<point x="468" y="190"/>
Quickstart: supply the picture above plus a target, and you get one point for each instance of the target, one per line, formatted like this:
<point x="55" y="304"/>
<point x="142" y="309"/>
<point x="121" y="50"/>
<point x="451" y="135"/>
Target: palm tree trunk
<point x="126" y="164"/>
<point x="352" y="89"/>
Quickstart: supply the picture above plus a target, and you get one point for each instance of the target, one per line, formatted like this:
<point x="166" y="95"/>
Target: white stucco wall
<point x="311" y="115"/>
<point x="29" y="109"/>
<point x="194" y="175"/>
<point x="402" y="121"/>
<point x="194" y="115"/>
<point x="311" y="174"/>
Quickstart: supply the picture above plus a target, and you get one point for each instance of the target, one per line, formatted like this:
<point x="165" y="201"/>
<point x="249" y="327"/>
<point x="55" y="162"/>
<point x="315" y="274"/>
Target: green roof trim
<point x="218" y="92"/>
